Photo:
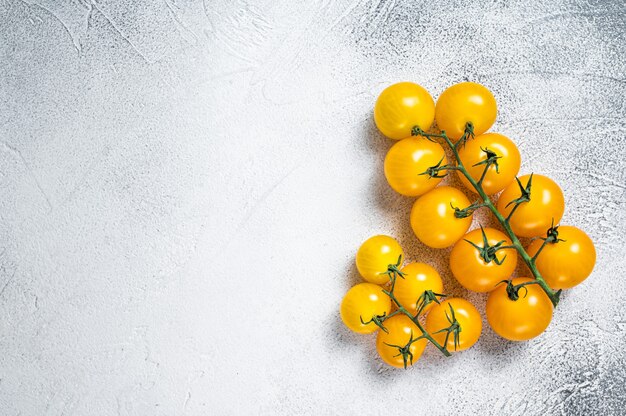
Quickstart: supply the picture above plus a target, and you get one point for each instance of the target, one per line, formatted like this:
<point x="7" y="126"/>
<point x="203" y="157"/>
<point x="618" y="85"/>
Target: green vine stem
<point x="425" y="299"/>
<point x="489" y="253"/>
<point x="487" y="202"/>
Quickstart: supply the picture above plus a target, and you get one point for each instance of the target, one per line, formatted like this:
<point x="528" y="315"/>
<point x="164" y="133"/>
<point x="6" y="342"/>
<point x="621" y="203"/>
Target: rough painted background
<point x="183" y="187"/>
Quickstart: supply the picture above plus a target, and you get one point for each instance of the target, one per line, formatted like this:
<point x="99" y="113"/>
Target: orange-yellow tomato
<point x="533" y="218"/>
<point x="521" y="319"/>
<point x="402" y="106"/>
<point x="433" y="220"/>
<point x="463" y="103"/>
<point x="400" y="330"/>
<point x="475" y="151"/>
<point x="363" y="302"/>
<point x="467" y="316"/>
<point x="565" y="264"/>
<point x="469" y="266"/>
<point x="418" y="278"/>
<point x="407" y="160"/>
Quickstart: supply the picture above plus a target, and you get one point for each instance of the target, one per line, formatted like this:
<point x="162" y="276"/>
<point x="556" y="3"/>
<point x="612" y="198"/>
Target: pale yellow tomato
<point x="362" y="303"/>
<point x="402" y="106"/>
<point x="375" y="256"/>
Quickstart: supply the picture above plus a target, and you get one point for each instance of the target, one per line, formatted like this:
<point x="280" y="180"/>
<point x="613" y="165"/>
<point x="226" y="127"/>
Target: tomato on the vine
<point x="433" y="217"/>
<point x="418" y="278"/>
<point x="474" y="154"/>
<point x="362" y="303"/>
<point x="402" y="106"/>
<point x="408" y="160"/>
<point x="481" y="269"/>
<point x="521" y="319"/>
<point x="400" y="330"/>
<point x="442" y="316"/>
<point x="534" y="217"/>
<point x="375" y="256"/>
<point x="463" y="103"/>
<point x="568" y="261"/>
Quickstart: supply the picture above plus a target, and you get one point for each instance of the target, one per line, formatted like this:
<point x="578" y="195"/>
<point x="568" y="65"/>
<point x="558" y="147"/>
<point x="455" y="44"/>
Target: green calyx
<point x="376" y="320"/>
<point x="466" y="212"/>
<point x="393" y="270"/>
<point x="512" y="290"/>
<point x="426" y="299"/>
<point x="552" y="237"/>
<point x="435" y="171"/>
<point x="489" y="252"/>
<point x="453" y="330"/>
<point x="405" y="350"/>
<point x="467" y="134"/>
<point x="492" y="159"/>
<point x="525" y="190"/>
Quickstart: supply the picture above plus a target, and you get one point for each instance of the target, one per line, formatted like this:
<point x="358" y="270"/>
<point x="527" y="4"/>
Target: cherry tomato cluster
<point x="405" y="303"/>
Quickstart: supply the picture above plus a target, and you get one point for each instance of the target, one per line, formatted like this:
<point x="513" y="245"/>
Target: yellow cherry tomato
<point x="440" y="317"/>
<point x="418" y="278"/>
<point x="565" y="264"/>
<point x="362" y="303"/>
<point x="375" y="256"/>
<point x="521" y="319"/>
<point x="533" y="218"/>
<point x="400" y="330"/>
<point x="433" y="217"/>
<point x="407" y="160"/>
<point x="481" y="269"/>
<point x="402" y="106"/>
<point x="463" y="103"/>
<point x="476" y="151"/>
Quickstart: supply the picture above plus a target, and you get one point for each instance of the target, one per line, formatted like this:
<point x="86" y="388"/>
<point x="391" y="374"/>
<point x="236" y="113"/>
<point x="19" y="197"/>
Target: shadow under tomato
<point x="345" y="343"/>
<point x="352" y="276"/>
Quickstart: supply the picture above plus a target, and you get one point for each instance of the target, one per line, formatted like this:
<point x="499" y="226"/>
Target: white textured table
<point x="183" y="187"/>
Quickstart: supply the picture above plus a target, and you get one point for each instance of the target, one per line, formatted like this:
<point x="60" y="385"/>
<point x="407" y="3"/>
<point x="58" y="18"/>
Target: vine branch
<point x="492" y="159"/>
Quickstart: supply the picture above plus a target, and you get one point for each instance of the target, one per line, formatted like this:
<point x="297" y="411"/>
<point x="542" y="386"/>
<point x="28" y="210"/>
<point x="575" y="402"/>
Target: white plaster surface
<point x="183" y="187"/>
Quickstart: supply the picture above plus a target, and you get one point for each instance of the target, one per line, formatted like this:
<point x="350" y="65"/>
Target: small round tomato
<point x="402" y="106"/>
<point x="521" y="319"/>
<point x="441" y="317"/>
<point x="418" y="278"/>
<point x="433" y="217"/>
<point x="406" y="162"/>
<point x="391" y="344"/>
<point x="475" y="153"/>
<point x="481" y="269"/>
<point x="568" y="261"/>
<point x="463" y="103"/>
<point x="362" y="303"/>
<point x="533" y="218"/>
<point x="375" y="256"/>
